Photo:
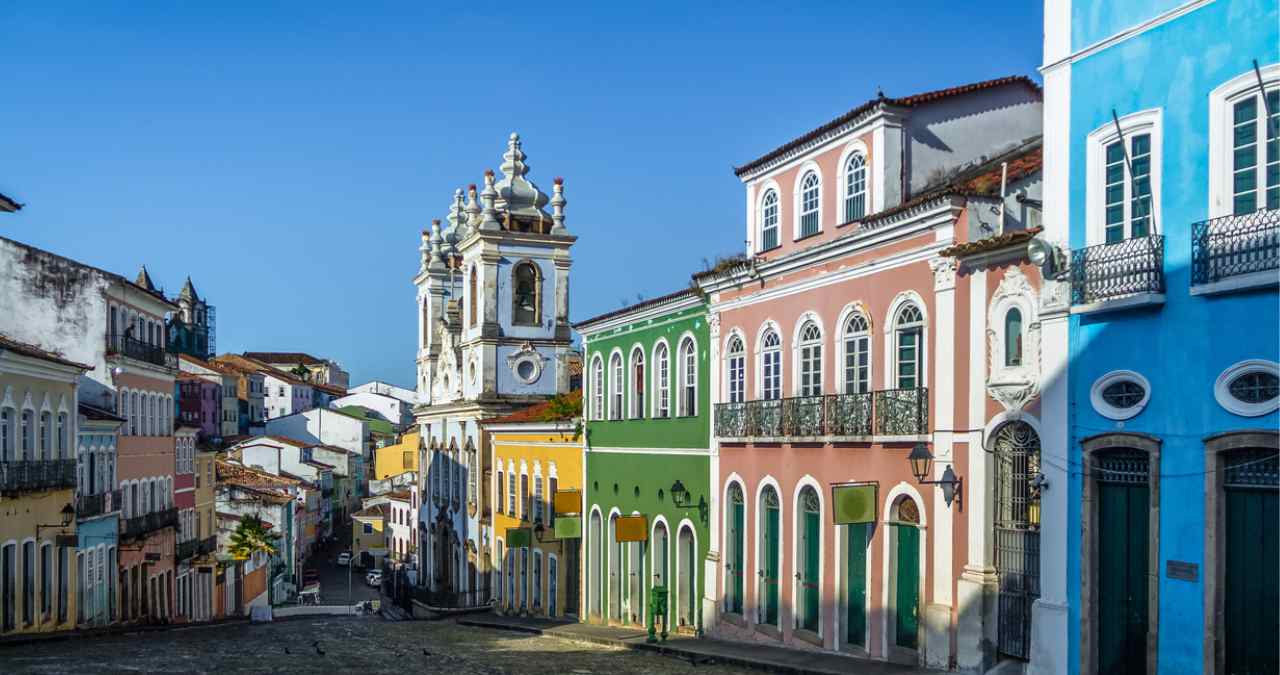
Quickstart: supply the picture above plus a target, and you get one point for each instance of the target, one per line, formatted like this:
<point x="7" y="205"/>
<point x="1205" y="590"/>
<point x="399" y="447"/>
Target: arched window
<point x="46" y="435"/>
<point x="637" y="383"/>
<point x="809" y="529"/>
<point x="472" y="294"/>
<point x="909" y="347"/>
<point x="537" y="493"/>
<point x="855" y="187"/>
<point x="769" y="221"/>
<point x="6" y="434"/>
<point x="810" y="186"/>
<point x="857" y="355"/>
<point x="526" y="295"/>
<point x="615" y="387"/>
<point x="511" y="490"/>
<point x="737" y="359"/>
<point x="1013" y="337"/>
<point x="688" y="378"/>
<point x="810" y="360"/>
<point x="769" y="537"/>
<point x="771" y="366"/>
<point x="502" y="491"/>
<point x="734" y="567"/>
<point x="662" y="386"/>
<point x="597" y="388"/>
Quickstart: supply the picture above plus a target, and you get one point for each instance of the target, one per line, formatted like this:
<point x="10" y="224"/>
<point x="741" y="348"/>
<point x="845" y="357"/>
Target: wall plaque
<point x="1182" y="571"/>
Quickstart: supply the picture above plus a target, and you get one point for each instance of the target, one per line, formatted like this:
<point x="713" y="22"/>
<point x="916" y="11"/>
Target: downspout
<point x="1004" y="183"/>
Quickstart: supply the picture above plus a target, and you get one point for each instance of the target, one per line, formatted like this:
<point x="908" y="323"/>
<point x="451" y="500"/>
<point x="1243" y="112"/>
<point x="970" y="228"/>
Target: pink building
<point x="200" y="404"/>
<point x="855" y="334"/>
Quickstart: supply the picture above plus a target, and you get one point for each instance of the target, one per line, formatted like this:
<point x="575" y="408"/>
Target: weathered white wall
<point x="392" y="409"/>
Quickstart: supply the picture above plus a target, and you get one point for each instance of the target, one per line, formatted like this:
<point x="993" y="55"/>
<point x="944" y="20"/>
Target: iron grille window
<point x="1255" y="387"/>
<point x="1123" y="394"/>
<point x="1234" y="245"/>
<point x="1122" y="466"/>
<point x="1252" y="468"/>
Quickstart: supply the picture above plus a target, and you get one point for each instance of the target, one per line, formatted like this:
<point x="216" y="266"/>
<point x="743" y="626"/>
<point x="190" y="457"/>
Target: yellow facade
<point x="549" y="454"/>
<point x="368" y="533"/>
<point x="393" y="460"/>
<point x="18" y="520"/>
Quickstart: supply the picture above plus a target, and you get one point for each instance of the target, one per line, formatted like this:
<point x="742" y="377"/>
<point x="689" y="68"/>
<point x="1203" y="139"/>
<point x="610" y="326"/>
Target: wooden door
<point x="737" y="559"/>
<point x="856" y="585"/>
<point x="771" y="572"/>
<point x="1123" y="516"/>
<point x="907" y="597"/>
<point x="809" y="580"/>
<point x="1250" y="597"/>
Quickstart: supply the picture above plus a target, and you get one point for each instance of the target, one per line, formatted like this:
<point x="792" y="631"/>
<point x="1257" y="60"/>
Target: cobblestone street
<point x="350" y="645"/>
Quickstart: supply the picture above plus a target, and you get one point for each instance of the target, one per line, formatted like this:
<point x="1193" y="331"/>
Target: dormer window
<point x="855" y="187"/>
<point x="810" y="187"/>
<point x="526" y="297"/>
<point x="769" y="221"/>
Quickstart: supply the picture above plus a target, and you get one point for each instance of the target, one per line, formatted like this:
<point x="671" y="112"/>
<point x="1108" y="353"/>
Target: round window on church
<point x="525" y="371"/>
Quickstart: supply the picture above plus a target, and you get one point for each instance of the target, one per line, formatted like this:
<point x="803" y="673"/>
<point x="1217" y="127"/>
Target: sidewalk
<point x="706" y="650"/>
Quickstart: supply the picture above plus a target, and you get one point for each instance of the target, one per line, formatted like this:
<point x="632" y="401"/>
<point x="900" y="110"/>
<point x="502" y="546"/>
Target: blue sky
<point x="287" y="156"/>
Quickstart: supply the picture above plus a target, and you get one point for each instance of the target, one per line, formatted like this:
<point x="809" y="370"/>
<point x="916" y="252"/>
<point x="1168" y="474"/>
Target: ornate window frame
<point x="660" y="400"/>
<point x="1222" y="388"/>
<point x="537" y="292"/>
<point x="1148" y="121"/>
<point x="851" y="310"/>
<point x="1109" y="411"/>
<point x="1221" y="100"/>
<point x="1013" y="386"/>
<point x="798" y="346"/>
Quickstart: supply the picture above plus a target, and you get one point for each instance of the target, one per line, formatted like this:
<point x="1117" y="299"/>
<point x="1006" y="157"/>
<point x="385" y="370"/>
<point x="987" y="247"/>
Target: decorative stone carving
<point x="1013" y="385"/>
<point x="713" y="325"/>
<point x="944" y="273"/>
<point x="526" y="363"/>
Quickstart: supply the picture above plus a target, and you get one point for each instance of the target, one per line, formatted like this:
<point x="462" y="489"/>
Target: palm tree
<point x="251" y="537"/>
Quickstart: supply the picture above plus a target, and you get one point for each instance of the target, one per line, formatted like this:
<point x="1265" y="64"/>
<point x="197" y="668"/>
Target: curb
<point x="125" y="629"/>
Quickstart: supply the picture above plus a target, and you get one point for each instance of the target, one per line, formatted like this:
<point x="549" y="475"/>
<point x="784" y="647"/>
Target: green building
<point x="647" y="407"/>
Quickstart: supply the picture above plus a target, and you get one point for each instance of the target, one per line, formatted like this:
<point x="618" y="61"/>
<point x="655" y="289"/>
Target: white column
<point x="938" y="612"/>
<point x="711" y="566"/>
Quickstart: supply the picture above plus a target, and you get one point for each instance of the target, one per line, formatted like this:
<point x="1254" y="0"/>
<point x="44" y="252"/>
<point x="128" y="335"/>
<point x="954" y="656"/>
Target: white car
<point x="374" y="578"/>
<point x="344" y="558"/>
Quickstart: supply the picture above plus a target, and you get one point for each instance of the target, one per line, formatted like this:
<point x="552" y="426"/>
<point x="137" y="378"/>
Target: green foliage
<point x="565" y="407"/>
<point x="251" y="537"/>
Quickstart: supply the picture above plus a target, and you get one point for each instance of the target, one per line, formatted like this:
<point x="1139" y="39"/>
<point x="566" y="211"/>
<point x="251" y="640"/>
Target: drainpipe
<point x="1004" y="184"/>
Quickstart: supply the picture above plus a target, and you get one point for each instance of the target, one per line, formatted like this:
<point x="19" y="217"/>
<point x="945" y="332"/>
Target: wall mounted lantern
<point x="681" y="498"/>
<point x="921" y="463"/>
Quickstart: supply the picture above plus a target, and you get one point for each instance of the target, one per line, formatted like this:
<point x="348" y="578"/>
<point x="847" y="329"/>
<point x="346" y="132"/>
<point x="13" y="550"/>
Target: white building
<point x="394" y="410"/>
<point x="409" y="396"/>
<point x="341" y="433"/>
<point x="285" y="394"/>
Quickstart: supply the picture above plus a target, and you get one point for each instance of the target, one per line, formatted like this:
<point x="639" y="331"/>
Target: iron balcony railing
<point x="186" y="550"/>
<point x="1117" y="270"/>
<point x="133" y="348"/>
<point x="148" y="522"/>
<point x="92" y="506"/>
<point x="894" y="412"/>
<point x="1234" y="245"/>
<point x="207" y="545"/>
<point x="37" y="474"/>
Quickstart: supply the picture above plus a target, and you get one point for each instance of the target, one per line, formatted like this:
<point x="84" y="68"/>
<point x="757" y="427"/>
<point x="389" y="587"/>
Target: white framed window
<point x="511" y="490"/>
<point x="537" y="494"/>
<point x="855" y="187"/>
<point x="616" y="378"/>
<point x="1250" y="388"/>
<point x="637" y="383"/>
<point x="810" y="359"/>
<point x="771" y="366"/>
<point x="857" y="355"/>
<point x="810" y="201"/>
<point x="597" y="388"/>
<point x="769" y="220"/>
<point x="736" y="359"/>
<point x="7" y="419"/>
<point x="1244" y="146"/>
<point x="1120" y="394"/>
<point x="662" y="381"/>
<point x="908" y="353"/>
<point x="1123" y="167"/>
<point x="688" y="378"/>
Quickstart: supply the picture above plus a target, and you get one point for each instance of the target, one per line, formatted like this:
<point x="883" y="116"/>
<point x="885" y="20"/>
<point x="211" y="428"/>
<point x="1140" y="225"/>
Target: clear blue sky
<point x="286" y="156"/>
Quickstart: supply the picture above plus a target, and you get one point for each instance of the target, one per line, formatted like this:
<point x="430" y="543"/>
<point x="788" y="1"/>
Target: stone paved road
<point x="352" y="645"/>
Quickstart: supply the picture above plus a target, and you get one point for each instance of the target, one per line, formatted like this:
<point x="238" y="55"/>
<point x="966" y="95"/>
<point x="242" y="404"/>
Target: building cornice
<point x="1132" y="31"/>
<point x="678" y="304"/>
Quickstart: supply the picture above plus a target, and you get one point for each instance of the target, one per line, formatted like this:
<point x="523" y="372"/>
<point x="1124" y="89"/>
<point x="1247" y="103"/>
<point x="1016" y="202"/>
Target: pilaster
<point x="938" y="612"/>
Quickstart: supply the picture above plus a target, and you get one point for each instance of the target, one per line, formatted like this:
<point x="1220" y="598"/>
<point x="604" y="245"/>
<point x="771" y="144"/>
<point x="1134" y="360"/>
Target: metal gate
<point x="1017" y="534"/>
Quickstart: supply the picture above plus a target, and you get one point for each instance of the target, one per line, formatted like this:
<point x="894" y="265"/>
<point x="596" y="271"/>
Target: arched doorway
<point x="770" y="531"/>
<point x="809" y="532"/>
<point x="661" y="562"/>
<point x="1249" y="554"/>
<point x="736" y="550"/>
<point x="687" y="594"/>
<point x="635" y="585"/>
<point x="904" y="576"/>
<point x="615" y="571"/>
<point x="1016" y="525"/>
<point x="594" y="548"/>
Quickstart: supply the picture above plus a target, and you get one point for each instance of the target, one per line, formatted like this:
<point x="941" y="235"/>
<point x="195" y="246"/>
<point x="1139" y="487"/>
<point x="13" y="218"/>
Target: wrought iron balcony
<point x="1233" y="246"/>
<point x="125" y="345"/>
<point x="895" y="412"/>
<point x="138" y="526"/>
<point x="901" y="412"/>
<point x="207" y="545"/>
<point x="37" y="474"/>
<point x="91" y="506"/>
<point x="1118" y="270"/>
<point x="186" y="550"/>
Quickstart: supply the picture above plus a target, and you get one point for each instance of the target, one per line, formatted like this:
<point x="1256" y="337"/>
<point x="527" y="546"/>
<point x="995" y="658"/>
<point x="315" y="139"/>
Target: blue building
<point x="98" y="503"/>
<point x="1162" y="202"/>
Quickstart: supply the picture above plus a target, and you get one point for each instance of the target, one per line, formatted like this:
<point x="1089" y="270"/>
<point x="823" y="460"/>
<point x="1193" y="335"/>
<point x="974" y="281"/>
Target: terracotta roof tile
<point x="995" y="243"/>
<point x="535" y="413"/>
<point x="284" y="357"/>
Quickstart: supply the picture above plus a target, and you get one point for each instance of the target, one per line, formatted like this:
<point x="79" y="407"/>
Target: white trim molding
<point x="1222" y="388"/>
<point x="1221" y="100"/>
<point x="1109" y="411"/>
<point x="1148" y="121"/>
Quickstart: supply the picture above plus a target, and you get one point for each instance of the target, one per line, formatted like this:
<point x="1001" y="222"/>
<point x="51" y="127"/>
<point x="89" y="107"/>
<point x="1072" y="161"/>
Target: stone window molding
<point x="1089" y="543"/>
<point x="1222" y="388"/>
<point x="1013" y="385"/>
<point x="1215" y="447"/>
<point x="1112" y="412"/>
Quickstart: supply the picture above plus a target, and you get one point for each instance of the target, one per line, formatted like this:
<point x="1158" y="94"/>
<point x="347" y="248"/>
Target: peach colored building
<point x="867" y="323"/>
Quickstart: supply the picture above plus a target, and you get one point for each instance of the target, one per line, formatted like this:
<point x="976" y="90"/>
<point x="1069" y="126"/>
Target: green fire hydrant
<point x="657" y="607"/>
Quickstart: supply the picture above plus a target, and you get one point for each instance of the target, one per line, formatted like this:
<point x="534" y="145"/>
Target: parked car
<point x="344" y="558"/>
<point x="374" y="578"/>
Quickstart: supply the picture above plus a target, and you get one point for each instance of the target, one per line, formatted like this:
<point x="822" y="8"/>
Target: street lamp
<point x="681" y="498"/>
<point x="68" y="514"/>
<point x="922" y="461"/>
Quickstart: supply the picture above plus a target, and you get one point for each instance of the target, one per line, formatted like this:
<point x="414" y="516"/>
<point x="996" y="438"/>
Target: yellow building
<point x="368" y="535"/>
<point x="38" y="543"/>
<point x="393" y="460"/>
<point x="203" y="605"/>
<point x="536" y="453"/>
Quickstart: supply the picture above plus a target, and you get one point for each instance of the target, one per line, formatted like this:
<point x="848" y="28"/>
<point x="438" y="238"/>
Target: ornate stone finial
<point x="473" y="208"/>
<point x="516" y="194"/>
<point x="437" y="246"/>
<point x="489" y="214"/>
<point x="557" y="207"/>
<point x="425" y="248"/>
<point x="457" y="220"/>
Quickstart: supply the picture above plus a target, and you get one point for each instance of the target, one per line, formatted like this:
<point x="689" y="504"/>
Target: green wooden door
<point x="1123" y="515"/>
<point x="856" y="586"/>
<point x="771" y="561"/>
<point x="737" y="559"/>
<point x="1251" y="621"/>
<point x="809" y="576"/>
<point x="907" y="603"/>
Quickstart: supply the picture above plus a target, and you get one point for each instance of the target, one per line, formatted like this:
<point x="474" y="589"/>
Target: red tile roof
<point x="994" y="243"/>
<point x="284" y="357"/>
<point x="27" y="349"/>
<point x="537" y="412"/>
<point x="905" y="102"/>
